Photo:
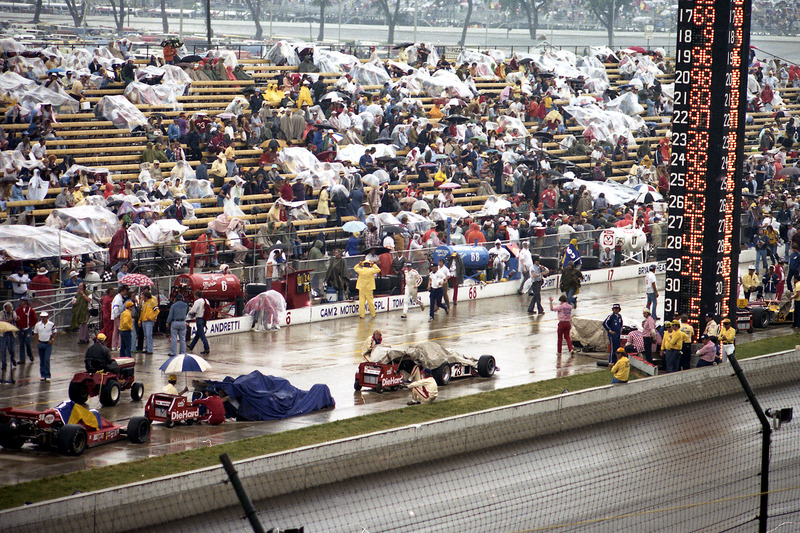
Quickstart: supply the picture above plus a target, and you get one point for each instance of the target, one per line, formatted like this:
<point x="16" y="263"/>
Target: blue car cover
<point x="261" y="397"/>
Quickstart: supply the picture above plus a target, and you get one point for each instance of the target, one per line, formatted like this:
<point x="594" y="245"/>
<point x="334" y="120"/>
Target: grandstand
<point x="92" y="141"/>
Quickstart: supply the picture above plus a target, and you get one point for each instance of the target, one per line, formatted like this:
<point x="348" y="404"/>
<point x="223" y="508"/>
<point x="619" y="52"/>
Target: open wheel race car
<point x="68" y="427"/>
<point x="107" y="385"/>
<point x="389" y="367"/>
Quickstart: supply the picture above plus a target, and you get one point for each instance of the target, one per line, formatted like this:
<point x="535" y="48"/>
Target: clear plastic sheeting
<point x="120" y="111"/>
<point x="321" y="174"/>
<point x="159" y="232"/>
<point x="485" y="63"/>
<point x="605" y="125"/>
<point x="11" y="46"/>
<point x="11" y="82"/>
<point x="184" y="171"/>
<point x="433" y="57"/>
<point x="627" y="103"/>
<point x="95" y="223"/>
<point x="616" y="193"/>
<point x="330" y="61"/>
<point x="509" y="124"/>
<point x="198" y="188"/>
<point x="77" y="169"/>
<point x="603" y="53"/>
<point x="295" y="159"/>
<point x="493" y="206"/>
<point x="444" y="83"/>
<point x="353" y="152"/>
<point x="156" y="95"/>
<point x="639" y="67"/>
<point x="455" y="212"/>
<point x="370" y="74"/>
<point x="22" y="242"/>
<point x="12" y="158"/>
<point x="237" y="105"/>
<point x="282" y="53"/>
<point x="34" y="65"/>
<point x="415" y="222"/>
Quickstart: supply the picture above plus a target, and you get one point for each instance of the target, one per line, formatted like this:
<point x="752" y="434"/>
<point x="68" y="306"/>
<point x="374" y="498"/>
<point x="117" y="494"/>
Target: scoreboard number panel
<point x="704" y="203"/>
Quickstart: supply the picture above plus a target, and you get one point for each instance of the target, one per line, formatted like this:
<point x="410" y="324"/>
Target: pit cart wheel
<point x="188" y="422"/>
<point x="9" y="438"/>
<point x="109" y="394"/>
<point x="379" y="387"/>
<point x="760" y="317"/>
<point x="138" y="430"/>
<point x="137" y="391"/>
<point x="169" y="422"/>
<point x="71" y="440"/>
<point x="78" y="392"/>
<point x="486" y="366"/>
<point x="442" y="374"/>
<point x="357" y="385"/>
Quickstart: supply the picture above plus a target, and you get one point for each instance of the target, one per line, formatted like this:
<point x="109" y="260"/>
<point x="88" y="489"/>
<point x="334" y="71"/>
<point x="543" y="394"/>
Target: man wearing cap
<point x="412" y="281"/>
<point x="538" y="273"/>
<point x="648" y="333"/>
<point x="751" y="282"/>
<point x="436" y="280"/>
<point x="98" y="358"/>
<point x="423" y="388"/>
<point x="365" y="285"/>
<point x="45" y="333"/>
<point x="26" y="320"/>
<point x="613" y="326"/>
<point x="622" y="368"/>
<point x="126" y="330"/>
<point x="727" y="338"/>
<point x="176" y="320"/>
<point x="170" y="387"/>
<point x="672" y="346"/>
<point x="71" y="284"/>
<point x="651" y="291"/>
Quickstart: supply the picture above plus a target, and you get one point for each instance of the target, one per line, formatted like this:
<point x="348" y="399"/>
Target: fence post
<point x="766" y="440"/>
<point x="241" y="493"/>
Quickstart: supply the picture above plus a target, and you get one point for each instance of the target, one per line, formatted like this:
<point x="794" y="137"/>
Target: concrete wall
<point x="173" y="497"/>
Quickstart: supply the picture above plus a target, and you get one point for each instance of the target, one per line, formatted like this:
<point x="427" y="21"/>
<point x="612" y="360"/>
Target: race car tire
<point x="78" y="392"/>
<point x="486" y="366"/>
<point x="356" y="385"/>
<point x="442" y="374"/>
<point x="379" y="387"/>
<point x="71" y="439"/>
<point x="760" y="317"/>
<point x="9" y="438"/>
<point x="137" y="391"/>
<point x="138" y="430"/>
<point x="110" y="393"/>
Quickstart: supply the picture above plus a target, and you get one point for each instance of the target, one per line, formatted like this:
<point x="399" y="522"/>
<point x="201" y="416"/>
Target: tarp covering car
<point x="429" y="354"/>
<point x="22" y="242"/>
<point x="262" y="397"/>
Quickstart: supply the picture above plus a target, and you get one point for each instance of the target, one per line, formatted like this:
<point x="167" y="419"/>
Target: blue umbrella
<point x="56" y="71"/>
<point x="354" y="226"/>
<point x="186" y="362"/>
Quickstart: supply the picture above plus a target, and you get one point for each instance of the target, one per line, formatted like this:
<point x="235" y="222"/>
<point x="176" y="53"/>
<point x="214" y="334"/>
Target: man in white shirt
<point x="651" y="291"/>
<point x="436" y="281"/>
<point x="412" y="281"/>
<point x="198" y="311"/>
<point x="525" y="262"/>
<point x="501" y="255"/>
<point x="39" y="150"/>
<point x="19" y="283"/>
<point x="45" y="332"/>
<point x="117" y="307"/>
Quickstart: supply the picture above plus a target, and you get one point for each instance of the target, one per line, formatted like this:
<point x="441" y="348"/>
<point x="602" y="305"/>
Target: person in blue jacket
<point x="613" y="326"/>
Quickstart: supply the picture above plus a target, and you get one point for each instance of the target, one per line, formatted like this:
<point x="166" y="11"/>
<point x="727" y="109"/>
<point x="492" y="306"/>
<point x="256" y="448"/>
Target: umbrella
<point x="402" y="46"/>
<point x="637" y="49"/>
<point x="450" y="185"/>
<point x="191" y="59"/>
<point x="225" y="116"/>
<point x="376" y="250"/>
<point x="418" y="205"/>
<point x="339" y="192"/>
<point x="8" y="179"/>
<point x="354" y="226"/>
<point x="543" y="135"/>
<point x="7" y="327"/>
<point x="562" y="179"/>
<point x="369" y="179"/>
<point x="643" y="187"/>
<point x="136" y="280"/>
<point x="332" y="96"/>
<point x="789" y="171"/>
<point x="56" y="71"/>
<point x="383" y="140"/>
<point x="457" y="119"/>
<point x="186" y="362"/>
<point x="391" y="230"/>
<point x="553" y="173"/>
<point x="648" y="197"/>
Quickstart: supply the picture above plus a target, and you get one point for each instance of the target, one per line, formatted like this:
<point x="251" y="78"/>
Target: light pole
<point x="416" y="13"/>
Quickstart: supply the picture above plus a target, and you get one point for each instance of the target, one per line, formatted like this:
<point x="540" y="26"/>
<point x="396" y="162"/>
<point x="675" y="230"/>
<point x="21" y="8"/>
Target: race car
<point x="68" y="427"/>
<point x="169" y="409"/>
<point x="765" y="312"/>
<point x="388" y="368"/>
<point x="107" y="385"/>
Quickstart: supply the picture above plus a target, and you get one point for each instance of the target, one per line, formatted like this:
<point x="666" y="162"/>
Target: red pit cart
<point x="47" y="428"/>
<point x="170" y="409"/>
<point x="379" y="376"/>
<point x="107" y="385"/>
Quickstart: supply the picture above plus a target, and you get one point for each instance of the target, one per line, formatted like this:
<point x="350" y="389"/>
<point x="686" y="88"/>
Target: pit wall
<point x="180" y="496"/>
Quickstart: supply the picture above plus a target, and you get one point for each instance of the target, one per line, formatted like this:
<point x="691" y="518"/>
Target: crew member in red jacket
<point x="215" y="408"/>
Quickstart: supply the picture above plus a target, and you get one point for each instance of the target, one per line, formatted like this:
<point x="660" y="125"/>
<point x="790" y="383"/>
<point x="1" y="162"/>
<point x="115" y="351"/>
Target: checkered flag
<point x="108" y="276"/>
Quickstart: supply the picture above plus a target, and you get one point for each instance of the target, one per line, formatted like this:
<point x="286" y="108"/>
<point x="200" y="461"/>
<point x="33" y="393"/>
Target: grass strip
<point x="153" y="467"/>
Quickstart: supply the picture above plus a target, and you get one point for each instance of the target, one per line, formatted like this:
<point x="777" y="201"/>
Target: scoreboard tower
<point x="704" y="203"/>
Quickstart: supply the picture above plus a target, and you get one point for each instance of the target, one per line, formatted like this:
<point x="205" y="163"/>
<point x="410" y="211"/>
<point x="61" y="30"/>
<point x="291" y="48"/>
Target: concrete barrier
<point x="149" y="503"/>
